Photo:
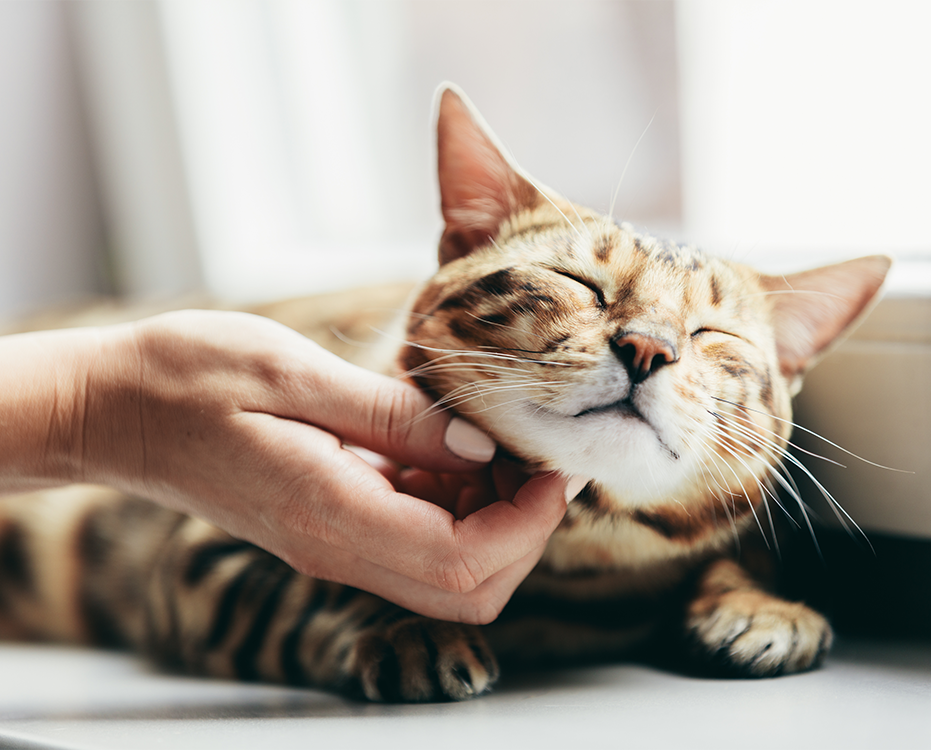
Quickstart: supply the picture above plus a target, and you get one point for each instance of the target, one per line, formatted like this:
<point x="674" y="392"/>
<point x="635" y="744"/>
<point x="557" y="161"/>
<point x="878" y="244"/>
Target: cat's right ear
<point x="479" y="184"/>
<point x="812" y="310"/>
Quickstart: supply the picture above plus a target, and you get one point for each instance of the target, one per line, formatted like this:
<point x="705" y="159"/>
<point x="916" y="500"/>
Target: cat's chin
<point x="614" y="445"/>
<point x="621" y="418"/>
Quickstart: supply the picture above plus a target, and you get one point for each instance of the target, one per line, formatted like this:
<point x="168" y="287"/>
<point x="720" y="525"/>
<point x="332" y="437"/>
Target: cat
<point x="662" y="374"/>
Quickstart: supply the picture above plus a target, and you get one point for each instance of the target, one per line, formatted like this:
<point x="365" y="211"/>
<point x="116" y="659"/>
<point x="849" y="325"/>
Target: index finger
<point x="386" y="415"/>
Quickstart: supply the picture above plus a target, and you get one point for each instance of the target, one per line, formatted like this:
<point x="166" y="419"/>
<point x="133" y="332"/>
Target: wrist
<point x="106" y="438"/>
<point x="43" y="391"/>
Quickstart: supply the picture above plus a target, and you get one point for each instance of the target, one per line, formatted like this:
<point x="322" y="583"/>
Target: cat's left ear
<point x="480" y="185"/>
<point x="814" y="309"/>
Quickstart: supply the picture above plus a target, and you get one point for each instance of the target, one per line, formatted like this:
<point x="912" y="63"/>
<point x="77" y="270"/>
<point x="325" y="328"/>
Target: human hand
<point x="243" y="422"/>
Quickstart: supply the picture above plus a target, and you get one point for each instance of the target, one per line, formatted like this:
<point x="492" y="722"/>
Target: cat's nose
<point x="642" y="354"/>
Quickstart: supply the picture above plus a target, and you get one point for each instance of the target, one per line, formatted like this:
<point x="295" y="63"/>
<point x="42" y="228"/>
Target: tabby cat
<point x="581" y="345"/>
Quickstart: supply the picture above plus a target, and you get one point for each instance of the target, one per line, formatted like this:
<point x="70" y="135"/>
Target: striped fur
<point x="581" y="345"/>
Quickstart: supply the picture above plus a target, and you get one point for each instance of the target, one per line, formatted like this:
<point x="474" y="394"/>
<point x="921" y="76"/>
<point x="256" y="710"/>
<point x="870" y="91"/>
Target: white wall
<point x="51" y="236"/>
<point x="806" y="130"/>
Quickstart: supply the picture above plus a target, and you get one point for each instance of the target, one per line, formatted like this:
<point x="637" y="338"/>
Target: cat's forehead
<point x="663" y="251"/>
<point x="616" y="253"/>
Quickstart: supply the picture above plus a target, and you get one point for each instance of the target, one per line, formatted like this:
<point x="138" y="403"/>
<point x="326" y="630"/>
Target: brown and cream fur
<point x="660" y="373"/>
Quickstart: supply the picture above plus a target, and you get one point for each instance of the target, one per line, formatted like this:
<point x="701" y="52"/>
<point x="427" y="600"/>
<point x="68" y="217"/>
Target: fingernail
<point x="469" y="442"/>
<point x="574" y="486"/>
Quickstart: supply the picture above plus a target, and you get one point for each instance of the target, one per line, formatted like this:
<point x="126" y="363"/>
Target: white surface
<point x="868" y="695"/>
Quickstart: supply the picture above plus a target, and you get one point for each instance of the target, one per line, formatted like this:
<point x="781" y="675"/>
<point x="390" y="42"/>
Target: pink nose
<point x="643" y="355"/>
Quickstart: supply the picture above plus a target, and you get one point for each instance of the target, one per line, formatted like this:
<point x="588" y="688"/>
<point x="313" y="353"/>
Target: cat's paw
<point x="749" y="633"/>
<point x="418" y="659"/>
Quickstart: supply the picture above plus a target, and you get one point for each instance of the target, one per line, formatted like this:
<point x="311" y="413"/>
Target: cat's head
<point x="585" y="346"/>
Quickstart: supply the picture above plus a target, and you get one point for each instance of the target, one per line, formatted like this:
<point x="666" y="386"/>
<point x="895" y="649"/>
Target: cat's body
<point x="660" y="373"/>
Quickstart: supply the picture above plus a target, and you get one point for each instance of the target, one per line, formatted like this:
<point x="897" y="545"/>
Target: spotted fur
<point x="661" y="374"/>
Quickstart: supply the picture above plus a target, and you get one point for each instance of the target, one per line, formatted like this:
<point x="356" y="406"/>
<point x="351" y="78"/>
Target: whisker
<point x="467" y="391"/>
<point x="472" y="352"/>
<point x="466" y="367"/>
<point x="582" y="221"/>
<point x="732" y="517"/>
<point x="617" y="190"/>
<point x="788" y="291"/>
<point x="351" y="341"/>
<point x="770" y="468"/>
<point x="746" y="495"/>
<point x="743" y="490"/>
<point x="504" y="325"/>
<point x="550" y="201"/>
<point x="776" y="434"/>
<point x="814" y="434"/>
<point x="842" y="515"/>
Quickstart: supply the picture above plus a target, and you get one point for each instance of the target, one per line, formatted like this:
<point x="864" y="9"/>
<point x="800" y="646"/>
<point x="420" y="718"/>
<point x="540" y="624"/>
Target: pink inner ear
<point x="479" y="187"/>
<point x="812" y="309"/>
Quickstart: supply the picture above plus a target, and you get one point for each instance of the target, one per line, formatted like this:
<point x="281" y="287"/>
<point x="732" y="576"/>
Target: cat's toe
<point x="420" y="660"/>
<point x="750" y="633"/>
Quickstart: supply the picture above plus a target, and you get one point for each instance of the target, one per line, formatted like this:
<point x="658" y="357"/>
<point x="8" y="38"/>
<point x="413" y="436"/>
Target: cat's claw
<point x="421" y="660"/>
<point x="753" y="634"/>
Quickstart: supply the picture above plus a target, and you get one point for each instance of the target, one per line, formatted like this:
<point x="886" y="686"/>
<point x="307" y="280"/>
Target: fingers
<point x="291" y="418"/>
<point x="479" y="606"/>
<point x="355" y="529"/>
<point x="355" y="509"/>
<point x="390" y="417"/>
<point x="274" y="370"/>
<point x="499" y="534"/>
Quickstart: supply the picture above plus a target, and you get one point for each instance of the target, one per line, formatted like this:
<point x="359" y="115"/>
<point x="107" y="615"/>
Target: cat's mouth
<point x="624" y="407"/>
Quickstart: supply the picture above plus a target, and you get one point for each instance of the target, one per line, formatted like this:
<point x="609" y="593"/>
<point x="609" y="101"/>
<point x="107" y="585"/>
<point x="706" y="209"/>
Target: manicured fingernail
<point x="574" y="486"/>
<point x="469" y="442"/>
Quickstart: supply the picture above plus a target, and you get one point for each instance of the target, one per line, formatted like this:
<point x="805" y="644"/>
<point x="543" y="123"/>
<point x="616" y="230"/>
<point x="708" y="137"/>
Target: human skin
<point x="243" y="422"/>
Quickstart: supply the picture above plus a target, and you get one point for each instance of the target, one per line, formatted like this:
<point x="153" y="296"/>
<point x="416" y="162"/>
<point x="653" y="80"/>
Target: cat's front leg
<point x="222" y="607"/>
<point x="417" y="659"/>
<point x="742" y="630"/>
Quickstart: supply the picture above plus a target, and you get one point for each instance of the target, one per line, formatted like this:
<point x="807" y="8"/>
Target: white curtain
<point x="269" y="147"/>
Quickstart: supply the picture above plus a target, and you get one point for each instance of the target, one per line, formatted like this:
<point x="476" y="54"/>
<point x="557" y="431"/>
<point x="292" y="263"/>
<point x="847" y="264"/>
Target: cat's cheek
<point x="674" y="405"/>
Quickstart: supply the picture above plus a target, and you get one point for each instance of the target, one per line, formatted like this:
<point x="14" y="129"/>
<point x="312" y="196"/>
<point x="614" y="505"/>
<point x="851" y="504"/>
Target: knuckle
<point x="481" y="612"/>
<point x="459" y="574"/>
<point x="394" y="415"/>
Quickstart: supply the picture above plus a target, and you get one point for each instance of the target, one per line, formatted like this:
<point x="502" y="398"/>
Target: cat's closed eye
<point x="705" y="331"/>
<point x="591" y="285"/>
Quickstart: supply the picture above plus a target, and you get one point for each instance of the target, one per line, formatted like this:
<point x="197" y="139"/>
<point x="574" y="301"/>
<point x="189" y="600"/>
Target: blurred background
<point x="254" y="149"/>
<point x="260" y="148"/>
